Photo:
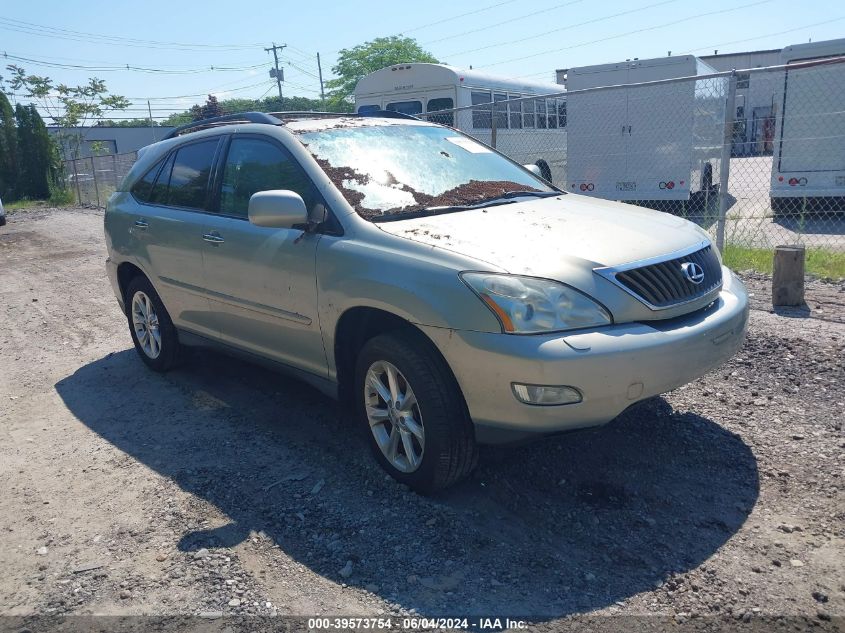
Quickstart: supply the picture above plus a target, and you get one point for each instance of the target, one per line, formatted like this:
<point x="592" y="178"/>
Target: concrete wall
<point x="114" y="140"/>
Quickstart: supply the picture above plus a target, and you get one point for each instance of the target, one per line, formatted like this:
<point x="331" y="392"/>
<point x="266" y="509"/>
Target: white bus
<point x="808" y="163"/>
<point x="531" y="131"/>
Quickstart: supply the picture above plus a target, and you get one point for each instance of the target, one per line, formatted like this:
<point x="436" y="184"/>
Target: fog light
<point x="547" y="395"/>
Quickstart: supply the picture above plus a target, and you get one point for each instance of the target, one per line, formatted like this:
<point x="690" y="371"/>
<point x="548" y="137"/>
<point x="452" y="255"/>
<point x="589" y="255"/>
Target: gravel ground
<point x="221" y="488"/>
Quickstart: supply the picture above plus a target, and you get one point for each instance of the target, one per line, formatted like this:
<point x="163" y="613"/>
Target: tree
<point x="36" y="155"/>
<point x="127" y="123"/>
<point x="68" y="106"/>
<point x="210" y="109"/>
<point x="354" y="63"/>
<point x="8" y="149"/>
<point x="268" y="104"/>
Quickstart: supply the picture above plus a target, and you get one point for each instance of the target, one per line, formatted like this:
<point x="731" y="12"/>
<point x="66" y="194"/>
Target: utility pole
<point x="320" y="72"/>
<point x="278" y="74"/>
<point x="152" y="127"/>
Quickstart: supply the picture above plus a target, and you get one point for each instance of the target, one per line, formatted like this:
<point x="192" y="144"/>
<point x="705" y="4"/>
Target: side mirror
<point x="534" y="170"/>
<point x="277" y="208"/>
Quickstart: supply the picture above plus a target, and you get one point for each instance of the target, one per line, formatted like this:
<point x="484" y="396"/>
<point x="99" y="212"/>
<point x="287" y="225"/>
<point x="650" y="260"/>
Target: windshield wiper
<point x="516" y="194"/>
<point x="506" y="198"/>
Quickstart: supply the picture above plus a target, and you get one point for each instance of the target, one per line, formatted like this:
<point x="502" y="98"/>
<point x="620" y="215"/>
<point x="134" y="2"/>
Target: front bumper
<point x="613" y="366"/>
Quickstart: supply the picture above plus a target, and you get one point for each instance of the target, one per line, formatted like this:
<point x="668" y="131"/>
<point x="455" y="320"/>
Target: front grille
<point x="665" y="284"/>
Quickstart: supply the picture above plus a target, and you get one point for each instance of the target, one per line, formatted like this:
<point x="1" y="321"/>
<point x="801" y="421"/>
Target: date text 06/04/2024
<point x="490" y="624"/>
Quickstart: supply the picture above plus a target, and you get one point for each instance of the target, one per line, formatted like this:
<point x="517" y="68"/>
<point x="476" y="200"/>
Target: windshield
<point x="390" y="170"/>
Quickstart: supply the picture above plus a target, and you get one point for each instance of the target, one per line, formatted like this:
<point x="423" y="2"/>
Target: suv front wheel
<point x="414" y="413"/>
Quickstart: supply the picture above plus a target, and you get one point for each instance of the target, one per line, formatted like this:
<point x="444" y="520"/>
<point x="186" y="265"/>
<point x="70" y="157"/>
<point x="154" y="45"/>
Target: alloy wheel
<point x="394" y="416"/>
<point x="145" y="324"/>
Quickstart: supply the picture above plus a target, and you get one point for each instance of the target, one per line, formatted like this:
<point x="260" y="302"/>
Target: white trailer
<point x="652" y="142"/>
<point x="529" y="131"/>
<point x="808" y="163"/>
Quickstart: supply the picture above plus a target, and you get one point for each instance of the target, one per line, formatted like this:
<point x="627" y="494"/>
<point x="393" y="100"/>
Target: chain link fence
<point x="685" y="146"/>
<point x="93" y="179"/>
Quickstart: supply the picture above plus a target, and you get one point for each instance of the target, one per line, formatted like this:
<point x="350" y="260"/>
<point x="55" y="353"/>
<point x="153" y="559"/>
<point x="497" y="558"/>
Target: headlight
<point x="528" y="305"/>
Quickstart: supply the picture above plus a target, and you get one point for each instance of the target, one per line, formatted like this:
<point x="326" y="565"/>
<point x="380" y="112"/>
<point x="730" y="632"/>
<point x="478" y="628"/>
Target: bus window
<point x="501" y="112"/>
<point x="551" y="105"/>
<point x="365" y="109"/>
<point x="541" y="113"/>
<point x="406" y="107"/>
<point x="528" y="113"/>
<point x="561" y="112"/>
<point x="443" y="103"/>
<point x="481" y="118"/>
<point x="515" y="113"/>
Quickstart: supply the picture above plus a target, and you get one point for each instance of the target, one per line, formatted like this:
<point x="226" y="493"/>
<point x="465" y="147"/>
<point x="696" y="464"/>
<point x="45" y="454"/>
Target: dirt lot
<point x="223" y="488"/>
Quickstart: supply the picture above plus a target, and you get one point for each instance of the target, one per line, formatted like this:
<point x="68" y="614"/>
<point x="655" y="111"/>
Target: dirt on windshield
<point x="467" y="193"/>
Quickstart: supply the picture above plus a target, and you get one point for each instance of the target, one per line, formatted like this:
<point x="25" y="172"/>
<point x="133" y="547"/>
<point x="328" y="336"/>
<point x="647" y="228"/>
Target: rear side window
<point x="142" y="189"/>
<point x="255" y="165"/>
<point x="367" y="109"/>
<point x="189" y="177"/>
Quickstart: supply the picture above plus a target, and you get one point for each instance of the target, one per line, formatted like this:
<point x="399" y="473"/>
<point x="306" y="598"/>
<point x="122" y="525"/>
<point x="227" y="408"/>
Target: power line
<point x="620" y="35"/>
<point x="564" y="28"/>
<point x="503" y="22"/>
<point x="449" y="19"/>
<point x="455" y="17"/>
<point x="760" y="37"/>
<point x="127" y="67"/>
<point x="41" y="30"/>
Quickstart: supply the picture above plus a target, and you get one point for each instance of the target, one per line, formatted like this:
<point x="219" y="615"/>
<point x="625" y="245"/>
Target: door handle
<point x="214" y="238"/>
<point x="141" y="224"/>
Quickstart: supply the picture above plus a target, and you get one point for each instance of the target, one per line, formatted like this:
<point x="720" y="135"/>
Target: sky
<point x="179" y="52"/>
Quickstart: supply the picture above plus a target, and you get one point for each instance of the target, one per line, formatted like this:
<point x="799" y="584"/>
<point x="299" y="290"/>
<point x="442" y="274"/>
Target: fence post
<point x="76" y="182"/>
<point x="493" y="125"/>
<point x="725" y="162"/>
<point x="94" y="175"/>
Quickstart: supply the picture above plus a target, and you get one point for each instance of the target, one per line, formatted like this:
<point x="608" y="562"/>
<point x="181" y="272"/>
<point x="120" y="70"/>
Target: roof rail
<point x="276" y="118"/>
<point x="293" y="114"/>
<point x="241" y="117"/>
<point x="389" y="114"/>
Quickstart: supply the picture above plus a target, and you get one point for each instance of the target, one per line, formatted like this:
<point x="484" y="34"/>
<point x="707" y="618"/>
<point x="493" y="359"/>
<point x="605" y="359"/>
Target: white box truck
<point x="808" y="163"/>
<point x="655" y="142"/>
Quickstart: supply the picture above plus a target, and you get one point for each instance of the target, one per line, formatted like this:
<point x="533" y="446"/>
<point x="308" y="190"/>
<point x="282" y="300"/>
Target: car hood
<point x="543" y="236"/>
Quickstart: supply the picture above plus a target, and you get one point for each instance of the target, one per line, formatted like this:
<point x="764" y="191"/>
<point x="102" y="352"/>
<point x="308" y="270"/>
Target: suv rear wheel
<point x="153" y="333"/>
<point x="413" y="412"/>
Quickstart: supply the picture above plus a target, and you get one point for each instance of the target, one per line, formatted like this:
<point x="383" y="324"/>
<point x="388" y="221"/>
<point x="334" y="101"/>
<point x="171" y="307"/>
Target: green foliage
<point x="354" y="63"/>
<point x="820" y="262"/>
<point x="36" y="156"/>
<point x="68" y="106"/>
<point x="8" y="149"/>
<point x="178" y="119"/>
<point x="126" y="123"/>
<point x="210" y="109"/>
<point x="269" y="104"/>
<point x="60" y="197"/>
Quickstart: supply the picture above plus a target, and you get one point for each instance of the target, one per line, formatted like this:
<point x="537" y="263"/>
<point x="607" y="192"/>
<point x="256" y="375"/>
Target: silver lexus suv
<point x="450" y="295"/>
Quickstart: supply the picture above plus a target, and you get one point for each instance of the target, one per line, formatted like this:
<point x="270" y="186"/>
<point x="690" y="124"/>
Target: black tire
<point x="170" y="349"/>
<point x="450" y="451"/>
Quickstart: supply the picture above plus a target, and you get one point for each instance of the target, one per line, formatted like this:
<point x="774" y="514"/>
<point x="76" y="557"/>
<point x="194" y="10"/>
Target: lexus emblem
<point x="693" y="272"/>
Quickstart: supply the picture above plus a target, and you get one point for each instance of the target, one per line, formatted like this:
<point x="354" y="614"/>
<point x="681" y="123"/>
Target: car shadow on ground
<point x="569" y="524"/>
